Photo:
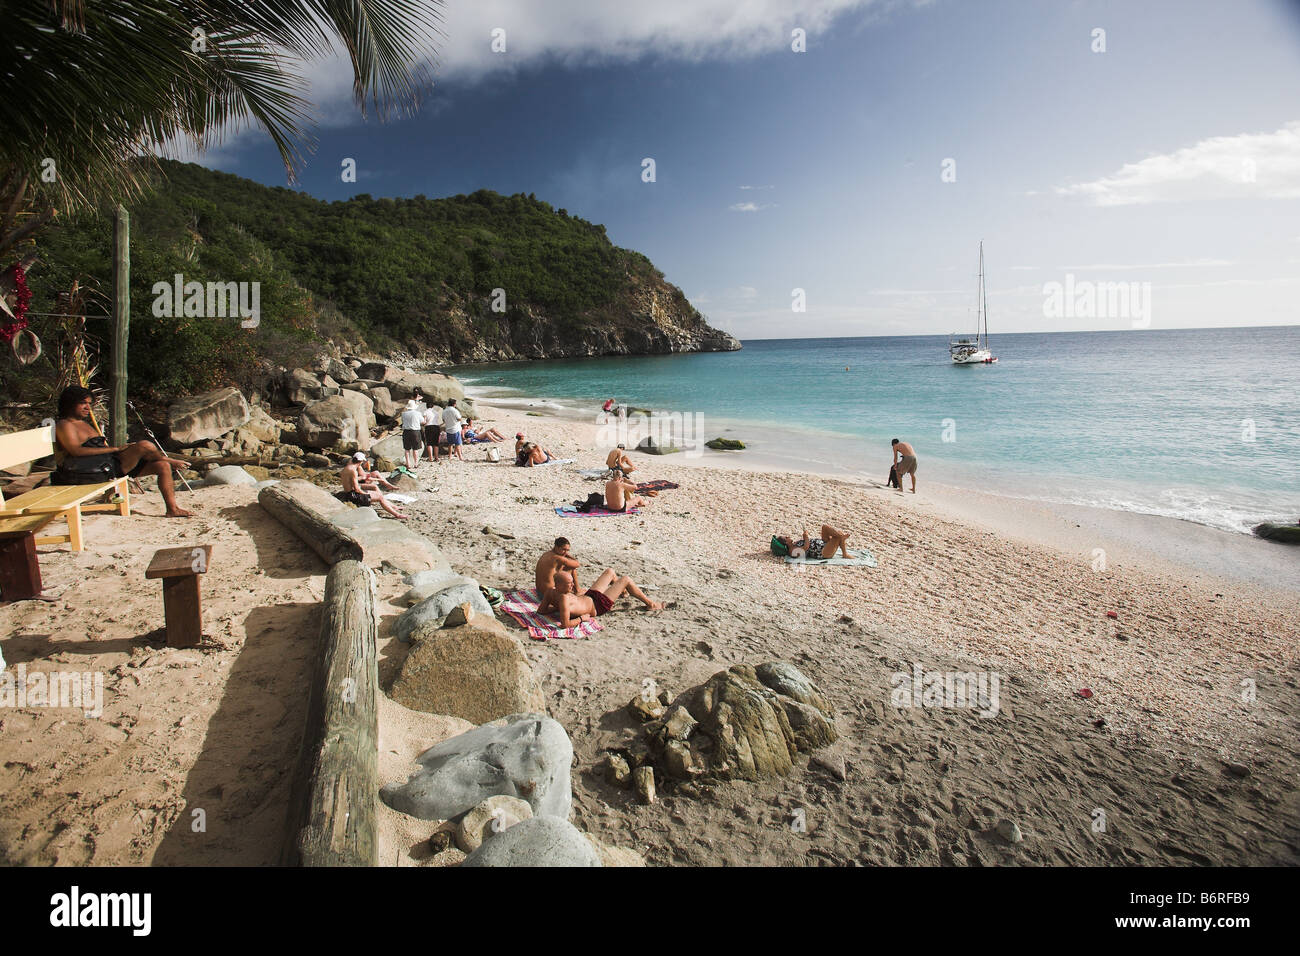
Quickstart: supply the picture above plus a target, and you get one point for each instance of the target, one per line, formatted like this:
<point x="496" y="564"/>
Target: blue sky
<point x="1171" y="159"/>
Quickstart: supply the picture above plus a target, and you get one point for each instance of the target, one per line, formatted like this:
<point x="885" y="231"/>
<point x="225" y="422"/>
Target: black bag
<point x="594" y="500"/>
<point x="894" y="480"/>
<point x="87" y="469"/>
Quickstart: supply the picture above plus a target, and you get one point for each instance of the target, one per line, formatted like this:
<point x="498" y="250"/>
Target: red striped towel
<point x="522" y="606"/>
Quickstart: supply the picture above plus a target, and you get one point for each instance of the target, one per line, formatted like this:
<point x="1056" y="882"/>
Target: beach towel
<point x="594" y="473"/>
<point x="659" y="485"/>
<point x="401" y="499"/>
<point x="569" y="511"/>
<point x="860" y="557"/>
<point x="556" y="461"/>
<point x="522" y="606"/>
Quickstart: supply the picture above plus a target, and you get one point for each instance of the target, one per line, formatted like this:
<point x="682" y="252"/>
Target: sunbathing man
<point x="817" y="548"/>
<point x="531" y="454"/>
<point x="564" y="603"/>
<point x="617" y="460"/>
<point x="78" y="438"/>
<point x="620" y="495"/>
<point x="360" y="489"/>
<point x="558" y="559"/>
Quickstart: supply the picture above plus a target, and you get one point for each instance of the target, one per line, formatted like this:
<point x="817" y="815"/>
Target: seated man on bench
<point x="79" y="442"/>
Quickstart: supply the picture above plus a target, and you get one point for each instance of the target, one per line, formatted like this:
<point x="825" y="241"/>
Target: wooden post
<point x="121" y="323"/>
<point x="333" y="816"/>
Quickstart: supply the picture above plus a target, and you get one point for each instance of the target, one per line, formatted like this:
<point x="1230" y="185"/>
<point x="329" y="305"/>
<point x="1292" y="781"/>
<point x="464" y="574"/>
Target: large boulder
<point x="523" y="755"/>
<point x="344" y="419"/>
<point x="541" y="841"/>
<point x="229" y="475"/>
<point x="385" y="407"/>
<point x="477" y="671"/>
<point x="378" y="372"/>
<point x="389" y="447"/>
<point x="261" y="425"/>
<point x="433" y="610"/>
<point x="340" y="371"/>
<point x="301" y="387"/>
<point x="437" y="388"/>
<point x="1276" y="531"/>
<point x="749" y="722"/>
<point x="207" y="416"/>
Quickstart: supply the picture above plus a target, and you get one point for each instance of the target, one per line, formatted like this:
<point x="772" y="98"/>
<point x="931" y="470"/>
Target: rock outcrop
<point x="340" y="420"/>
<point x="207" y="416"/>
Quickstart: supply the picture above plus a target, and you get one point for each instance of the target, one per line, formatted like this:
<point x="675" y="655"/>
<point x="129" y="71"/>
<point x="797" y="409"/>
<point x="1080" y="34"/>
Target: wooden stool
<point x="179" y="569"/>
<point x="20" y="572"/>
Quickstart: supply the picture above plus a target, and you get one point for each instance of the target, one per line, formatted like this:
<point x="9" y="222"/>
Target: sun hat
<point x="359" y="456"/>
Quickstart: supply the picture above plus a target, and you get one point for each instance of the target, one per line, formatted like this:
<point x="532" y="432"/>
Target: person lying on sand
<point x="77" y="438"/>
<point x="620" y="494"/>
<point x="480" y="435"/>
<point x="617" y="460"/>
<point x="558" y="559"/>
<point x="355" y="490"/>
<point x="571" y="608"/>
<point x="815" y="549"/>
<point x="531" y="454"/>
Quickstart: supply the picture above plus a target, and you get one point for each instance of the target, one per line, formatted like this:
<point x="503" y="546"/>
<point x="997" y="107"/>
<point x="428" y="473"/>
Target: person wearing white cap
<point x="412" y="433"/>
<point x="361" y="488"/>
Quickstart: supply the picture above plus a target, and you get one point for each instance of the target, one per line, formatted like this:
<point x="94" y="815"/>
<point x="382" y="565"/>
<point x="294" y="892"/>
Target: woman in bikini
<point x="816" y="549"/>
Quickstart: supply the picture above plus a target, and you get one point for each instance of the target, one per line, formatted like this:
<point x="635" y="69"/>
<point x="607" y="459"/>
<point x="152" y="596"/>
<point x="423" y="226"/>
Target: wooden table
<point x="20" y="572"/>
<point x="179" y="569"/>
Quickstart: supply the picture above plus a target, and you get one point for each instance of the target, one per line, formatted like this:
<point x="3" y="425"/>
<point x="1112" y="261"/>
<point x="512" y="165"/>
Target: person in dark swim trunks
<point x="815" y="549"/>
<point x="77" y="438"/>
<point x="359" y="489"/>
<point x="561" y="602"/>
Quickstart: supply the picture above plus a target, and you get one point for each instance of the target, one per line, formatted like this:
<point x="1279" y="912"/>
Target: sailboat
<point x="975" y="351"/>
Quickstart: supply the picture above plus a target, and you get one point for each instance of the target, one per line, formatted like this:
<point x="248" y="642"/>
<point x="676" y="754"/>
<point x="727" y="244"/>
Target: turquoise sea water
<point x="1196" y="424"/>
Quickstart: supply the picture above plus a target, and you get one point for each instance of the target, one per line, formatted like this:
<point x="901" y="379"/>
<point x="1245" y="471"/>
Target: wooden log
<point x="304" y="508"/>
<point x="333" y="818"/>
<point x="121" y="323"/>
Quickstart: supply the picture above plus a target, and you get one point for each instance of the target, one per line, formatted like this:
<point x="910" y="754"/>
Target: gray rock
<point x="643" y="777"/>
<point x="385" y="407"/>
<point x="617" y="771"/>
<point x="229" y="475"/>
<point x="425" y="584"/>
<point x="522" y="755"/>
<point x="206" y="416"/>
<point x="267" y="483"/>
<point x="493" y="816"/>
<point x="1009" y="831"/>
<point x="389" y="447"/>
<point x="301" y="387"/>
<point x="679" y="724"/>
<point x="652" y="447"/>
<point x="542" y="841"/>
<point x="341" y="371"/>
<point x="433" y="610"/>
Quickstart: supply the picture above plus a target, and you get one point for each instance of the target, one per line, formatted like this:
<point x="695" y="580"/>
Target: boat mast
<point x="984" y="294"/>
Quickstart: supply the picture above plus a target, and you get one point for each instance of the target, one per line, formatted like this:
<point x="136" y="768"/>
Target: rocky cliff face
<point x="652" y="318"/>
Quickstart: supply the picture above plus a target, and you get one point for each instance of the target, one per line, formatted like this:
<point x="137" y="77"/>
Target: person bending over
<point x="817" y="548"/>
<point x="78" y="439"/>
<point x="904" y="462"/>
<point x="619" y="495"/>
<point x="571" y="608"/>
<point x="558" y="559"/>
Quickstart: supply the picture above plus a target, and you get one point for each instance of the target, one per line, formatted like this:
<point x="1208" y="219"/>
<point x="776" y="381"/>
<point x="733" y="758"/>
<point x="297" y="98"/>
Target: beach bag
<point x="493" y="455"/>
<point x="594" y="500"/>
<point x="894" y="480"/>
<point x="778" y="548"/>
<point x="87" y="469"/>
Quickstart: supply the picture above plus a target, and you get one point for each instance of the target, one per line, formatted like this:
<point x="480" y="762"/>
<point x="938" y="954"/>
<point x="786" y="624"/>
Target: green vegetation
<point x="369" y="274"/>
<point x="730" y="444"/>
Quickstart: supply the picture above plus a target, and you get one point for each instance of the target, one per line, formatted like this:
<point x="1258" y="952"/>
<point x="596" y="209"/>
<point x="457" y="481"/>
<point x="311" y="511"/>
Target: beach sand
<point x="1183" y="770"/>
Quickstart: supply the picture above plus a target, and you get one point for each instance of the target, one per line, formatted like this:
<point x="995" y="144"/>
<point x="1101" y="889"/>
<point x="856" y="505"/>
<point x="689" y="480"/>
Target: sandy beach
<point x="1183" y="753"/>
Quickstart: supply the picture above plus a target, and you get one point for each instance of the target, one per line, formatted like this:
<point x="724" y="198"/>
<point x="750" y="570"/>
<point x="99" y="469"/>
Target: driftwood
<point x="303" y="508"/>
<point x="332" y="810"/>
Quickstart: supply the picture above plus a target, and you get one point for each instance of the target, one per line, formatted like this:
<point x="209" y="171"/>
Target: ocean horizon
<point x="1197" y="424"/>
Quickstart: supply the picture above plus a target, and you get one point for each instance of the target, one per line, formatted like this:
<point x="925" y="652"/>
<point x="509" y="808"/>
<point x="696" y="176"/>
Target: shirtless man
<point x="571" y="608"/>
<point x="617" y="460"/>
<point x="73" y="430"/>
<point x="361" y="489"/>
<point x="905" y="462"/>
<point x="620" y="495"/>
<point x="556" y="561"/>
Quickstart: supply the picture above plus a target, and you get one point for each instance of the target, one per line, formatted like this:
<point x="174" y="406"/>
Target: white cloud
<point x="754" y="187"/>
<point x="749" y="206"/>
<point x="1248" y="165"/>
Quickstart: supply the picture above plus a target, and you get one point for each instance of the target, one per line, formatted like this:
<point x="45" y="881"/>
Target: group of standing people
<point x="426" y="426"/>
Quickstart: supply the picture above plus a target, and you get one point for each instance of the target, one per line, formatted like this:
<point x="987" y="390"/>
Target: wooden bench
<point x="68" y="502"/>
<point x="179" y="569"/>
